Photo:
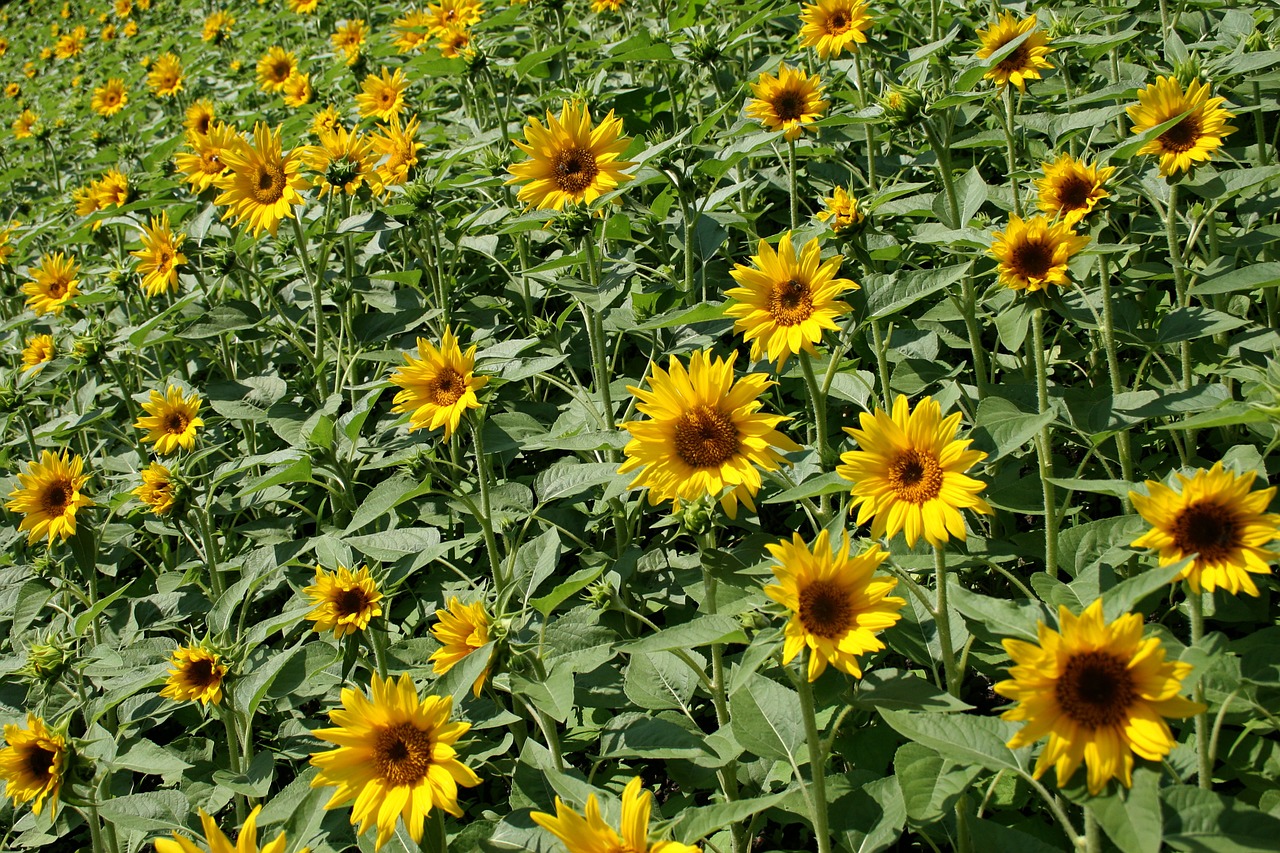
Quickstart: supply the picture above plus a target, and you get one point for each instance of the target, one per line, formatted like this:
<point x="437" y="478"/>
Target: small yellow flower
<point x="297" y="90"/>
<point x="343" y="159"/>
<point x="156" y="490"/>
<point x="345" y="601"/>
<point x="275" y="68"/>
<point x="171" y="420"/>
<point x="159" y="258"/>
<point x="411" y="31"/>
<point x="599" y="6"/>
<point x="165" y="77"/>
<point x="843" y="211"/>
<point x="40" y="350"/>
<point x="217" y="27"/>
<point x="263" y="183"/>
<point x="24" y="126"/>
<point x="203" y="164"/>
<point x="452" y="13"/>
<point x="397" y="150"/>
<point x="32" y="764"/>
<point x="53" y="284"/>
<point x="571" y="160"/>
<point x="455" y="43"/>
<point x="195" y="675"/>
<point x="111" y="98"/>
<point x="462" y="629"/>
<point x="1034" y="253"/>
<point x="349" y="38"/>
<point x="1071" y="188"/>
<point x="247" y="842"/>
<point x="49" y="495"/>
<point x="383" y="97"/>
<point x="833" y="26"/>
<point x="200" y="116"/>
<point x="1192" y="140"/>
<point x="438" y="387"/>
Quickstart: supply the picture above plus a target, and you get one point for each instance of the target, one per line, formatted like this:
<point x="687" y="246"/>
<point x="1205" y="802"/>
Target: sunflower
<point x="397" y="150"/>
<point x="86" y="201"/>
<point x="247" y="842"/>
<point x="1214" y="517"/>
<point x="6" y="242"/>
<point x="304" y="7"/>
<point x="1033" y="253"/>
<point x="109" y="32"/>
<point x="344" y="160"/>
<point x="200" y="116"/>
<point x="111" y="98"/>
<point x="1027" y="59"/>
<point x="447" y="14"/>
<point x="455" y="43"/>
<point x="572" y="160"/>
<point x="349" y="38"/>
<point x="24" y="126"/>
<point x="439" y="387"/>
<point x="843" y="211"/>
<point x="1071" y="188"/>
<point x="217" y="27"/>
<point x="49" y="496"/>
<point x="1099" y="691"/>
<point x="326" y="121"/>
<point x="784" y="301"/>
<point x="203" y="165"/>
<point x="112" y="190"/>
<point x="382" y="97"/>
<point x="263" y="184"/>
<point x="786" y="102"/>
<point x="157" y="489"/>
<point x="833" y="26"/>
<point x="462" y="629"/>
<point x="39" y="350"/>
<point x="53" y="284"/>
<point x="165" y="76"/>
<point x="12" y="90"/>
<point x="411" y="31"/>
<point x="297" y="90"/>
<point x="275" y="68"/>
<point x="32" y="763"/>
<point x="195" y="675"/>
<point x="590" y="834"/>
<point x="705" y="434"/>
<point x="395" y="757"/>
<point x="1190" y="141"/>
<point x="909" y="474"/>
<point x="159" y="258"/>
<point x="599" y="6"/>
<point x="344" y="600"/>
<point x="171" y="420"/>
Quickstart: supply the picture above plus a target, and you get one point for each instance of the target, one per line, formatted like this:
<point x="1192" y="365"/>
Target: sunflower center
<point x="1073" y="193"/>
<point x="1207" y="528"/>
<point x="210" y="162"/>
<point x="200" y="673"/>
<point x="202" y="125"/>
<point x="838" y="23"/>
<point x="789" y="106"/>
<point x="1183" y="136"/>
<point x="915" y="476"/>
<point x="175" y="423"/>
<point x="575" y="169"/>
<point x="1016" y="61"/>
<point x="57" y="496"/>
<point x="270" y="184"/>
<point x="40" y="761"/>
<point x="1096" y="689"/>
<point x="402" y="753"/>
<point x="57" y="288"/>
<point x="705" y="437"/>
<point x="446" y="387"/>
<point x="791" y="302"/>
<point x="350" y="602"/>
<point x="1032" y="259"/>
<point x="386" y="98"/>
<point x="281" y="69"/>
<point x="825" y="610"/>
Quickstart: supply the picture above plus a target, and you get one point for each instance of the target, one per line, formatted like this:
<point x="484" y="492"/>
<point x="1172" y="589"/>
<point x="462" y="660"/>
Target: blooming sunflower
<point x="599" y="6"/>
<point x="344" y="600"/>
<point x="1033" y="253"/>
<point x="837" y="606"/>
<point x="246" y="842"/>
<point x="452" y="13"/>
<point x="411" y="31"/>
<point x="382" y="97"/>
<point x="786" y="102"/>
<point x="572" y="160"/>
<point x="590" y="834"/>
<point x="1214" y="517"/>
<point x="112" y="190"/>
<point x="704" y="435"/>
<point x="49" y="496"/>
<point x="326" y="121"/>
<point x="349" y="37"/>
<point x="297" y="90"/>
<point x="203" y="165"/>
<point x="159" y="257"/>
<point x="263" y="184"/>
<point x="6" y="242"/>
<point x="843" y="211"/>
<point x="217" y="27"/>
<point x="53" y="284"/>
<point x="438" y="387"/>
<point x="111" y="98"/>
<point x="909" y="474"/>
<point x="395" y="757"/>
<point x="462" y="629"/>
<point x="24" y="125"/>
<point x="1190" y="141"/>
<point x="275" y="68"/>
<point x="171" y="420"/>
<point x="200" y="116"/>
<point x="32" y="763"/>
<point x="397" y="150"/>
<point x="833" y="26"/>
<point x="39" y="350"/>
<point x="195" y="675"/>
<point x="165" y="76"/>
<point x="1071" y="188"/>
<point x="12" y="90"/>
<point x="1099" y="691"/>
<point x="156" y="490"/>
<point x="1027" y="59"/>
<point x="304" y="7"/>
<point x="86" y="201"/>
<point x="455" y="43"/>
<point x="344" y="160"/>
<point x="784" y="301"/>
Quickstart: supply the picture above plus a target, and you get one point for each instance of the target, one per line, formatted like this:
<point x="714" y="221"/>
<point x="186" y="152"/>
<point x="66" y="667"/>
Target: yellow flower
<point x="345" y="601"/>
<point x="108" y="32"/>
<point x="843" y="211"/>
<point x="124" y="8"/>
<point x="217" y="27"/>
<point x="130" y="29"/>
<point x="1027" y="59"/>
<point x="1099" y="691"/>
<point x="343" y="159"/>
<point x="12" y="90"/>
<point x="1034" y="253"/>
<point x="1071" y="188"/>
<point x="156" y="490"/>
<point x="111" y="98"/>
<point x="447" y="14"/>
<point x="203" y="165"/>
<point x="304" y="7"/>
<point x="606" y="5"/>
<point x="70" y="44"/>
<point x="53" y="284"/>
<point x="247" y="842"/>
<point x="1214" y="517"/>
<point x="195" y="675"/>
<point x="455" y="42"/>
<point x="833" y="26"/>
<point x="837" y="605"/>
<point x="395" y="757"/>
<point x="590" y="834"/>
<point x="1190" y="141"/>
<point x="112" y="190"/>
<point x="49" y="495"/>
<point x="263" y="184"/>
<point x="171" y="420"/>
<point x="326" y="121"/>
<point x="159" y="257"/>
<point x="200" y="116"/>
<point x="784" y="302"/>
<point x="573" y="161"/>
<point x="86" y="200"/>
<point x="24" y="125"/>
<point x="411" y="31"/>
<point x="397" y="151"/>
<point x="40" y="350"/>
<point x="165" y="77"/>
<point x="438" y="387"/>
<point x="382" y="97"/>
<point x="275" y="68"/>
<point x="349" y="38"/>
<point x="32" y="763"/>
<point x="705" y="434"/>
<point x="462" y="629"/>
<point x="6" y="242"/>
<point x="909" y="474"/>
<point x="297" y="90"/>
<point x="786" y="102"/>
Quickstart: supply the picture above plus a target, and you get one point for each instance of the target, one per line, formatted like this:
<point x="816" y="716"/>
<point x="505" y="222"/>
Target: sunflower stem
<point x="1044" y="446"/>
<point x="95" y="828"/>
<point x="882" y="362"/>
<point x="1183" y="295"/>
<point x="791" y="184"/>
<point x="1259" y="126"/>
<point x="1092" y="832"/>
<point x="595" y="332"/>
<point x="729" y="773"/>
<point x="819" y="400"/>
<point x="869" y="126"/>
<point x="228" y="716"/>
<point x="942" y="618"/>
<point x="378" y="642"/>
<point x="817" y="760"/>
<point x="1204" y="772"/>
<point x="486" y="523"/>
<point x="1113" y="367"/>
<point x="317" y="312"/>
<point x="1011" y="149"/>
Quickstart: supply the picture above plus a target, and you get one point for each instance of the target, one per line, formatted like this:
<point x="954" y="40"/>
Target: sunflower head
<point x="246" y="842"/>
<point x="275" y="68"/>
<point x="1034" y="253"/>
<point x="1071" y="188"/>
<point x="49" y="495"/>
<point x="572" y="160"/>
<point x="297" y="90"/>
<point x="171" y="420"/>
<point x="1026" y="61"/>
<point x="462" y="629"/>
<point x="787" y="102"/>
<point x="345" y="601"/>
<point x="589" y="832"/>
<point x="263" y="183"/>
<point x="382" y="97"/>
<point x="165" y="76"/>
<point x="1192" y="140"/>
<point x="40" y="350"/>
<point x="53" y="284"/>
<point x="202" y="164"/>
<point x="159" y="258"/>
<point x="110" y="98"/>
<point x="843" y="212"/>
<point x="195" y="675"/>
<point x="396" y="148"/>
<point x="33" y="764"/>
<point x="833" y="26"/>
<point x="437" y="388"/>
<point x="200" y="116"/>
<point x="343" y="158"/>
<point x="160" y="491"/>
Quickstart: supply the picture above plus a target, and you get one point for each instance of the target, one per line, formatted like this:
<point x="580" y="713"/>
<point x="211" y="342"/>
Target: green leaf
<point x="1208" y="822"/>
<point x="1187" y="324"/>
<point x="636" y="735"/>
<point x="255" y="782"/>
<point x="459" y="681"/>
<point x="1003" y="428"/>
<point x="823" y="484"/>
<point x="1251" y="278"/>
<point x="700" y="631"/>
<point x="695" y="824"/>
<point x="155" y="811"/>
<point x="148" y="758"/>
<point x="659" y="681"/>
<point x="989" y="835"/>
<point x="85" y="619"/>
<point x="562" y="481"/>
<point x="900" y="690"/>
<point x="251" y="688"/>
<point x="702" y="313"/>
<point x="765" y="718"/>
<point x="385" y="496"/>
<point x="960" y="737"/>
<point x="1016" y="619"/>
<point x="1131" y="816"/>
<point x="889" y="293"/>
<point x="1126" y="150"/>
<point x="930" y="783"/>
<point x="577" y="582"/>
<point x="1127" y="594"/>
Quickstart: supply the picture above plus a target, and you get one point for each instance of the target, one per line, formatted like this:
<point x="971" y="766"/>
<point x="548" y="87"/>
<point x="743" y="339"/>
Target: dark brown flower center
<point x="826" y="609"/>
<point x="201" y="674"/>
<point x="789" y="105"/>
<point x="1207" y="528"/>
<point x="791" y="302"/>
<point x="705" y="437"/>
<point x="838" y="23"/>
<point x="57" y="497"/>
<point x="1019" y="60"/>
<point x="202" y="124"/>
<point x="915" y="476"/>
<point x="1183" y="136"/>
<point x="1074" y="192"/>
<point x="1032" y="259"/>
<point x="1096" y="689"/>
<point x="175" y="423"/>
<point x="402" y="754"/>
<point x="270" y="184"/>
<point x="280" y="70"/>
<point x="446" y="387"/>
<point x="57" y="288"/>
<point x="574" y="170"/>
<point x="40" y="761"/>
<point x="350" y="602"/>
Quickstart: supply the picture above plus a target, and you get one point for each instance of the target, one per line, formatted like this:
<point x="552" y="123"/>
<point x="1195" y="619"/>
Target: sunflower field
<point x="616" y="427"/>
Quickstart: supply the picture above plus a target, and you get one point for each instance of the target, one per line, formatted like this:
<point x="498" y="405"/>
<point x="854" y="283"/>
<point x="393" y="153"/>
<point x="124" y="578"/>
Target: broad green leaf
<point x="930" y="784"/>
<point x="659" y="681"/>
<point x="823" y="484"/>
<point x="254" y="782"/>
<point x="576" y="582"/>
<point x="1209" y="822"/>
<point x="1131" y="816"/>
<point x="635" y="735"/>
<point x="899" y="690"/>
<point x="385" y="496"/>
<point x="153" y="812"/>
<point x="1001" y="427"/>
<point x="1252" y="278"/>
<point x="148" y="758"/>
<point x="1001" y="618"/>
<point x="889" y="293"/>
<point x="563" y="481"/>
<point x="700" y="631"/>
<point x="1127" y="594"/>
<point x="695" y="824"/>
<point x="765" y="717"/>
<point x="962" y="738"/>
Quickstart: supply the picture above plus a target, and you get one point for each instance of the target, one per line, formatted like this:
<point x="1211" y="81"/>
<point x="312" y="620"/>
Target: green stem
<point x="1204" y="773"/>
<point x="378" y="642"/>
<point x="1113" y="366"/>
<point x="1259" y="126"/>
<point x="719" y="696"/>
<point x="233" y="753"/>
<point x="819" y="400"/>
<point x="882" y="362"/>
<point x="869" y="126"/>
<point x="311" y="276"/>
<point x="1092" y="832"/>
<point x="942" y="619"/>
<point x="817" y="761"/>
<point x="1184" y="298"/>
<point x="791" y="184"/>
<point x="1010" y="149"/>
<point x="969" y="309"/>
<point x="483" y="464"/>
<point x="1044" y="446"/>
<point x="943" y="155"/>
<point x="595" y="333"/>
<point x="211" y="554"/>
<point x="95" y="828"/>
